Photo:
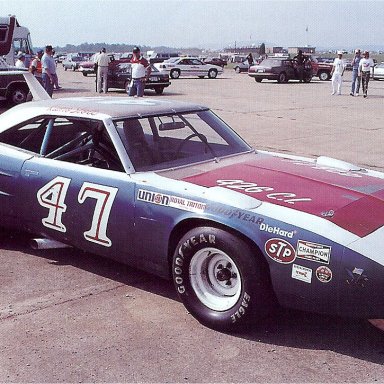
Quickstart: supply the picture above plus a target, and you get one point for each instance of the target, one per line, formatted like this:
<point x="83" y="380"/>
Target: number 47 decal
<point x="52" y="196"/>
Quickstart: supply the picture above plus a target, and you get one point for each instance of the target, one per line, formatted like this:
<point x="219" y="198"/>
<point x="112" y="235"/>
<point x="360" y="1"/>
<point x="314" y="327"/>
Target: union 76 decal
<point x="52" y="196"/>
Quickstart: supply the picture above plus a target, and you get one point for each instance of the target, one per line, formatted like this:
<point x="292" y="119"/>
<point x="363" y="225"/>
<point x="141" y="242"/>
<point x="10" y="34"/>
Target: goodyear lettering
<point x="179" y="261"/>
<point x="236" y="214"/>
<point x="242" y="309"/>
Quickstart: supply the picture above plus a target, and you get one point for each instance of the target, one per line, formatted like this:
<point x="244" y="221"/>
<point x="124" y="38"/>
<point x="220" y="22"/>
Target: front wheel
<point x="219" y="278"/>
<point x="159" y="90"/>
<point x="237" y="69"/>
<point x="175" y="74"/>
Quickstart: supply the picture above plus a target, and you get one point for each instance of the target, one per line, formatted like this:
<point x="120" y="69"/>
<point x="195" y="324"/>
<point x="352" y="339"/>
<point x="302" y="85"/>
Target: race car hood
<point x="353" y="200"/>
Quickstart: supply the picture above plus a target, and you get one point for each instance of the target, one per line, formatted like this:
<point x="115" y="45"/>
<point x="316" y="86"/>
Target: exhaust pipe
<point x="47" y="244"/>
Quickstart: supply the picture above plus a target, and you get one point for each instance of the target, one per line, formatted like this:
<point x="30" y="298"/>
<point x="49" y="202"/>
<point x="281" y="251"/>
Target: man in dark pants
<point x="300" y="59"/>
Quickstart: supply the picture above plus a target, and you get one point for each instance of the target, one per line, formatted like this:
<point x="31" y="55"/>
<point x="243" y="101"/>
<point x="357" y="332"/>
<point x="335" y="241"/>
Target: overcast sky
<point x="201" y="23"/>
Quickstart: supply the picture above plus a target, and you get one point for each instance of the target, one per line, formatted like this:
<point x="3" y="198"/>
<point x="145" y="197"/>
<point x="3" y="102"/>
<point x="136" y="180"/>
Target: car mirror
<point x="171" y="126"/>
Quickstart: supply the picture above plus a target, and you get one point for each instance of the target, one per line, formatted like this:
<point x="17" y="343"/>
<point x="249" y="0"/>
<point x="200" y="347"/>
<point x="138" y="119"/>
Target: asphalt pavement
<point x="69" y="316"/>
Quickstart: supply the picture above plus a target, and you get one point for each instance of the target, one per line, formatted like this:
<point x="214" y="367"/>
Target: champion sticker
<point x="302" y="273"/>
<point x="313" y="251"/>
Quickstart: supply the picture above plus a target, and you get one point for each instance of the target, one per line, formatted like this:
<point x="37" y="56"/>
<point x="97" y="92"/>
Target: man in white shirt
<point x="20" y="62"/>
<point x="337" y="73"/>
<point x="365" y="65"/>
<point x="140" y="73"/>
<point x="102" y="62"/>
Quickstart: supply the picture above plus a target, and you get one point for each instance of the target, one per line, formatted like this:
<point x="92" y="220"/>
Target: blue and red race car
<point x="168" y="187"/>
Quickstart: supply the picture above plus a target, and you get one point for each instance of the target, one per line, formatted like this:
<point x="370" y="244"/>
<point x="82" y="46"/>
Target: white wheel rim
<point x="215" y="279"/>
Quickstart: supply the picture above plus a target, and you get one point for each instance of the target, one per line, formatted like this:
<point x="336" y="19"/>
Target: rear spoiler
<point x="38" y="92"/>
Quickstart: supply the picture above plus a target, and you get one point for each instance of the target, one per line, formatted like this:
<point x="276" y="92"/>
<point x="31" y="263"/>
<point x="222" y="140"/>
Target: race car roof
<point x="115" y="107"/>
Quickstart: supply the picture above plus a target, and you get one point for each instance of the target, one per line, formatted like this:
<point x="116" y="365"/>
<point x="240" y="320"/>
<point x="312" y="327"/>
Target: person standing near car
<point x="365" y="65"/>
<point x="300" y="60"/>
<point x="49" y="69"/>
<point x="36" y="67"/>
<point x="140" y="73"/>
<point x="337" y="72"/>
<point x="102" y="62"/>
<point x="355" y="73"/>
<point x="20" y="62"/>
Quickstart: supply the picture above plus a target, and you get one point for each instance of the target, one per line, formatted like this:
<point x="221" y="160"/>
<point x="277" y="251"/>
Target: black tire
<point x="85" y="74"/>
<point x="65" y="68"/>
<point x="324" y="75"/>
<point x="219" y="279"/>
<point x="201" y="77"/>
<point x="126" y="87"/>
<point x="237" y="69"/>
<point x="74" y="68"/>
<point x="159" y="90"/>
<point x="175" y="73"/>
<point x="282" y="78"/>
<point x="212" y="73"/>
<point x="307" y="79"/>
<point x="17" y="95"/>
<point x="258" y="80"/>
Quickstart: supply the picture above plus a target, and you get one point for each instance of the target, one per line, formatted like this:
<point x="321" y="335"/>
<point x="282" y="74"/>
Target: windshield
<point x="169" y="141"/>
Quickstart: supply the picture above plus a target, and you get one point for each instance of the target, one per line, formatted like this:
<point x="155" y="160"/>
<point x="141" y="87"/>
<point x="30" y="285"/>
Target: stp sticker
<point x="280" y="251"/>
<point x="302" y="273"/>
<point x="313" y="251"/>
<point x="324" y="274"/>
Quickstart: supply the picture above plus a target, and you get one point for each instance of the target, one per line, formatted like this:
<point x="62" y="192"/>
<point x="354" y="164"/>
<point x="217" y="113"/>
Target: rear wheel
<point x="219" y="279"/>
<point x="175" y="73"/>
<point x="237" y="69"/>
<point x="85" y="73"/>
<point x="258" y="80"/>
<point x="324" y="75"/>
<point x="126" y="86"/>
<point x="212" y="73"/>
<point x="282" y="78"/>
<point x="17" y="95"/>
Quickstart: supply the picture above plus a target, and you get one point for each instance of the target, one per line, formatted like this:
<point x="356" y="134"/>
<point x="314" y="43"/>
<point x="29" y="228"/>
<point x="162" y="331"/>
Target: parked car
<point x="88" y="67"/>
<point x="119" y="76"/>
<point x="281" y="70"/>
<point x="321" y="69"/>
<point x="377" y="72"/>
<point x="155" y="57"/>
<point x="244" y="66"/>
<point x="13" y="87"/>
<point x="168" y="187"/>
<point x="216" y="61"/>
<point x="72" y="62"/>
<point x="188" y="66"/>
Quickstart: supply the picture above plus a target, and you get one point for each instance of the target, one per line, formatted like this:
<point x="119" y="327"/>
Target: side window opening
<point x="80" y="141"/>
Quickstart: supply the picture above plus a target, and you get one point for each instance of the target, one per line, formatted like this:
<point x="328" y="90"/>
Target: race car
<point x="170" y="188"/>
